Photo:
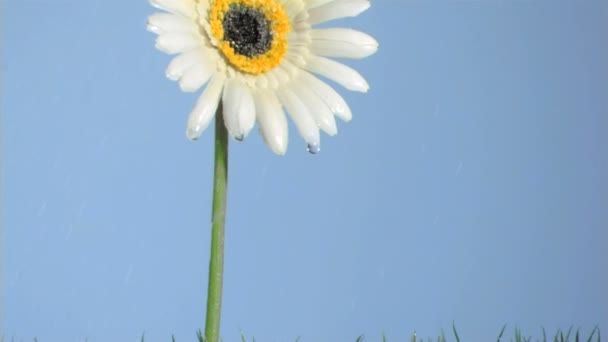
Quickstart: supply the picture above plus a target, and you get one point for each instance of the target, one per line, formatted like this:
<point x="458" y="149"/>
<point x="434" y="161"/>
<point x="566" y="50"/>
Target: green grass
<point x="518" y="336"/>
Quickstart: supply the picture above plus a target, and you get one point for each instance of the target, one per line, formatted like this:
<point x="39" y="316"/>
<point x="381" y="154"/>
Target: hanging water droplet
<point x="152" y="28"/>
<point x="193" y="133"/>
<point x="313" y="148"/>
<point x="192" y="136"/>
<point x="239" y="137"/>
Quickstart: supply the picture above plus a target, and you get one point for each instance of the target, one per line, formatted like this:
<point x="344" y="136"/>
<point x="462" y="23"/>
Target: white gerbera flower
<point x="257" y="57"/>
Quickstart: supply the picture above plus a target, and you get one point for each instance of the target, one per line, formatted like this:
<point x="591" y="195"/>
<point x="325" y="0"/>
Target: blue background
<point x="470" y="186"/>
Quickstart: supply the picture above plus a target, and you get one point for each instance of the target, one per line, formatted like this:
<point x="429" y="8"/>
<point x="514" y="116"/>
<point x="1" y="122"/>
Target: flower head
<point x="258" y="57"/>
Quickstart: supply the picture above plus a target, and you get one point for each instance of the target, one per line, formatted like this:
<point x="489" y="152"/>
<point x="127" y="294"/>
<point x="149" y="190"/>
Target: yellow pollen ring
<point x="280" y="26"/>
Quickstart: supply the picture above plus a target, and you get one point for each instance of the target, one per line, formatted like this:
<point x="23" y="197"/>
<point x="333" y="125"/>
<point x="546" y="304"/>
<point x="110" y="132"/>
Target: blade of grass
<point x="568" y="334"/>
<point x="556" y="338"/>
<point x="502" y="331"/>
<point x="199" y="336"/>
<point x="455" y="332"/>
<point x="592" y="333"/>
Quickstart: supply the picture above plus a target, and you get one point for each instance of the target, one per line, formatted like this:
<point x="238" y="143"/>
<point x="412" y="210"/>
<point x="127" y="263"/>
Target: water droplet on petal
<point x="192" y="134"/>
<point x="314" y="148"/>
<point x="152" y="28"/>
<point x="239" y="137"/>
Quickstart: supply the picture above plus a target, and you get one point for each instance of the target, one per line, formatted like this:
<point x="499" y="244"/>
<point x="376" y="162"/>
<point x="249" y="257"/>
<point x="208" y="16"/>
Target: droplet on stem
<point x="314" y="148"/>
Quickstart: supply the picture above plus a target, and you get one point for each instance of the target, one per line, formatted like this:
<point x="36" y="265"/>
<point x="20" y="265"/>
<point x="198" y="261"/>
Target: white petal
<point x="273" y="80"/>
<point x="166" y="22"/>
<point x="302" y="25"/>
<point x="239" y="109"/>
<point x="289" y="67"/>
<point x="293" y="8"/>
<point x="182" y="62"/>
<point x="183" y="7"/>
<point x="261" y="81"/>
<point x="172" y="43"/>
<point x="195" y="76"/>
<point x="338" y="72"/>
<point x="334" y="101"/>
<point x="300" y="18"/>
<point x="319" y="110"/>
<point x="342" y="43"/>
<point x="316" y="3"/>
<point x="280" y="74"/>
<point x="205" y="107"/>
<point x="298" y="38"/>
<point x="271" y="121"/>
<point x="296" y="55"/>
<point x="299" y="113"/>
<point x="337" y="9"/>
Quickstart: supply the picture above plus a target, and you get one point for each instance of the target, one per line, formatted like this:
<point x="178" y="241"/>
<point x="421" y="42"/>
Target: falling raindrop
<point x="314" y="148"/>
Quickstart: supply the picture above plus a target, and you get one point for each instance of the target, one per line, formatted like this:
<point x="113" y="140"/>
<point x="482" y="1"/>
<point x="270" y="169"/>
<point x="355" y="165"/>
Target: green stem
<point x="218" y="218"/>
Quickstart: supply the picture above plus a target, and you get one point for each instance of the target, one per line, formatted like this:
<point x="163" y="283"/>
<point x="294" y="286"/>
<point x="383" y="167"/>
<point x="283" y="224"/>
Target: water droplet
<point x="193" y="133"/>
<point x="172" y="75"/>
<point x="239" y="137"/>
<point x="152" y="28"/>
<point x="314" y="148"/>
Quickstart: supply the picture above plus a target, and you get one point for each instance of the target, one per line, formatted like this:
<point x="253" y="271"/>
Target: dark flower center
<point x="247" y="30"/>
